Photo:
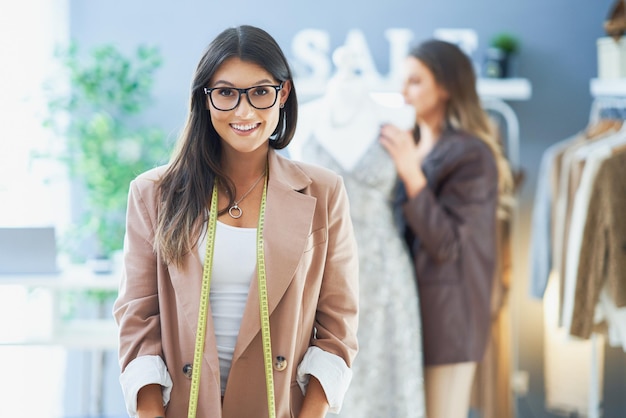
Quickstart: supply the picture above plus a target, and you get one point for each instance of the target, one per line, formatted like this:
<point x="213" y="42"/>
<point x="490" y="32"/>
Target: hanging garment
<point x="569" y="364"/>
<point x="542" y="229"/>
<point x="568" y="178"/>
<point x="603" y="249"/>
<point x="574" y="366"/>
<point x="387" y="374"/>
<point x="587" y="161"/>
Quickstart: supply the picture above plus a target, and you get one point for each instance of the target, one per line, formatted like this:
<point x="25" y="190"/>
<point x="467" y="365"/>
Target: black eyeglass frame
<point x="278" y="88"/>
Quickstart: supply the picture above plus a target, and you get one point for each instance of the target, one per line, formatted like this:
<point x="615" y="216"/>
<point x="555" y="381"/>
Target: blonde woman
<point x="453" y="179"/>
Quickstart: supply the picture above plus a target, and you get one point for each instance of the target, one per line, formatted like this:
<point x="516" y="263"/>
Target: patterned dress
<point x="388" y="376"/>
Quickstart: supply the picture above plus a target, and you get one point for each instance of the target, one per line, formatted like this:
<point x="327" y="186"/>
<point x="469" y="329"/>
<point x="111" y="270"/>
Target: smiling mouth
<point x="245" y="127"/>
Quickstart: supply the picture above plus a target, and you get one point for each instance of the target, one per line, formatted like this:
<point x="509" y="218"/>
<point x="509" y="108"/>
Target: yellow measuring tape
<point x="204" y="304"/>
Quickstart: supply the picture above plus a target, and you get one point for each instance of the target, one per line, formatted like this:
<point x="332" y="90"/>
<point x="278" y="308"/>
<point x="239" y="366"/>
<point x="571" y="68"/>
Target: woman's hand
<point x="315" y="404"/>
<point x="404" y="153"/>
<point x="150" y="402"/>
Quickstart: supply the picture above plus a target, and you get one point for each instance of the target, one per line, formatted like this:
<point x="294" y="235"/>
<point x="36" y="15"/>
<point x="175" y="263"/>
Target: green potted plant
<point x="96" y="109"/>
<point x="503" y="47"/>
<point x="106" y="143"/>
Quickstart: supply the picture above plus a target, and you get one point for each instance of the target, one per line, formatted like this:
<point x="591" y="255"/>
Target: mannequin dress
<point x="387" y="372"/>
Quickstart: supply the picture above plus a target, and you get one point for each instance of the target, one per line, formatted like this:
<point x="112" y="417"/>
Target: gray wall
<point x="558" y="56"/>
<point x="558" y="40"/>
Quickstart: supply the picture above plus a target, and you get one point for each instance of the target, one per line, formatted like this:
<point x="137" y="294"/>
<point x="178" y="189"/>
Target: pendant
<point x="235" y="211"/>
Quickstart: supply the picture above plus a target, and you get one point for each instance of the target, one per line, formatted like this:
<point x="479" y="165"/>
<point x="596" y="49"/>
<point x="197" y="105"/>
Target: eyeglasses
<point x="228" y="98"/>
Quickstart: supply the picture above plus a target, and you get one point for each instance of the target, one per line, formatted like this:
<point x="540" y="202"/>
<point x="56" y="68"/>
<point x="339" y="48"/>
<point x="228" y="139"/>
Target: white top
<point x="234" y="266"/>
<point x="234" y="259"/>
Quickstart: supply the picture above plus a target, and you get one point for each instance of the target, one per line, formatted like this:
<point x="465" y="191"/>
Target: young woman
<point x="453" y="177"/>
<point x="240" y="288"/>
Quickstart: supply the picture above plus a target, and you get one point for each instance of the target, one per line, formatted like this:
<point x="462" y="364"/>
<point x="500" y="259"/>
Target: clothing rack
<point x="511" y="126"/>
<point x="608" y="103"/>
<point x="547" y="259"/>
<point x="494" y="95"/>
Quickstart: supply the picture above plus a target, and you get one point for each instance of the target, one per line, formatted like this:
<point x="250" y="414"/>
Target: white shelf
<point x="504" y="88"/>
<point x="608" y="87"/>
<point x="488" y="88"/>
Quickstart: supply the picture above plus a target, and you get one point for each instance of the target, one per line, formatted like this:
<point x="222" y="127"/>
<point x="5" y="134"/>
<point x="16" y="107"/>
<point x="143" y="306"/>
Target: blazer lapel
<point x="288" y="218"/>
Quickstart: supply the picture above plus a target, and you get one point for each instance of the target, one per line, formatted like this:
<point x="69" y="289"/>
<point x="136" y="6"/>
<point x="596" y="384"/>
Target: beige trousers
<point x="448" y="388"/>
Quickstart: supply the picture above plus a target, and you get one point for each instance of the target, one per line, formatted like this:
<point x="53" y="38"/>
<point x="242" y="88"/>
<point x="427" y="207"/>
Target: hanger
<point x="603" y="127"/>
<point x="607" y="116"/>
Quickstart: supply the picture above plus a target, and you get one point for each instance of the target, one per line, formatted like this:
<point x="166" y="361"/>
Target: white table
<point x="67" y="332"/>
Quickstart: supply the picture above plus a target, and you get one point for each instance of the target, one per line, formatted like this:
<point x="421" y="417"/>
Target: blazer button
<point x="280" y="363"/>
<point x="187" y="370"/>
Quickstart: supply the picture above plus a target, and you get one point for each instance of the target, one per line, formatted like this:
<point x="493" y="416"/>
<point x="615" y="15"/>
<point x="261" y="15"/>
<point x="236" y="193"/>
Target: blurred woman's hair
<point x="453" y="70"/>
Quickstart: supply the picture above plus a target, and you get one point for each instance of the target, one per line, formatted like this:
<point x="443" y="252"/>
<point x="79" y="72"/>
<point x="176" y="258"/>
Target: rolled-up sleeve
<point x="331" y="371"/>
<point x="142" y="371"/>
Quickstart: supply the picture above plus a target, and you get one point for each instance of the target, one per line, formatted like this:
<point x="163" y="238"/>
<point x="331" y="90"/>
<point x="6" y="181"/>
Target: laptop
<point x="28" y="251"/>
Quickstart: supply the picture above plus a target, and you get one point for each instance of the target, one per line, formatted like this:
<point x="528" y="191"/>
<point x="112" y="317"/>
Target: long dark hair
<point x="453" y="70"/>
<point x="186" y="185"/>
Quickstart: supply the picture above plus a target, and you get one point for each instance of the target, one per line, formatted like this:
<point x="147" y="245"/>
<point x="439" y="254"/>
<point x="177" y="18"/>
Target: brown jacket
<point x="603" y="251"/>
<point x="312" y="280"/>
<point x="451" y="228"/>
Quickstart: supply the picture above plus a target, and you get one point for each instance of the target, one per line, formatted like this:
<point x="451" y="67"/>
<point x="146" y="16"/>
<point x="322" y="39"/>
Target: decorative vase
<point x="611" y="57"/>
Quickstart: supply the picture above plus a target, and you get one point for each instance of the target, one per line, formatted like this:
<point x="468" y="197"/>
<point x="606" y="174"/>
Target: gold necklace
<point x="235" y="211"/>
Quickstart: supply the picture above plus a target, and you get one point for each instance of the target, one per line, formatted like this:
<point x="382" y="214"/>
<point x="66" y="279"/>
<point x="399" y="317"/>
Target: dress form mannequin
<point x="340" y="131"/>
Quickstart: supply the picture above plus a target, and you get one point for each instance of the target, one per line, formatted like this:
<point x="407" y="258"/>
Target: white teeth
<point x="244" y="127"/>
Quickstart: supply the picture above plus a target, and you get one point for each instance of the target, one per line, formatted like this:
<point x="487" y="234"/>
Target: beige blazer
<point x="603" y="249"/>
<point x="312" y="280"/>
